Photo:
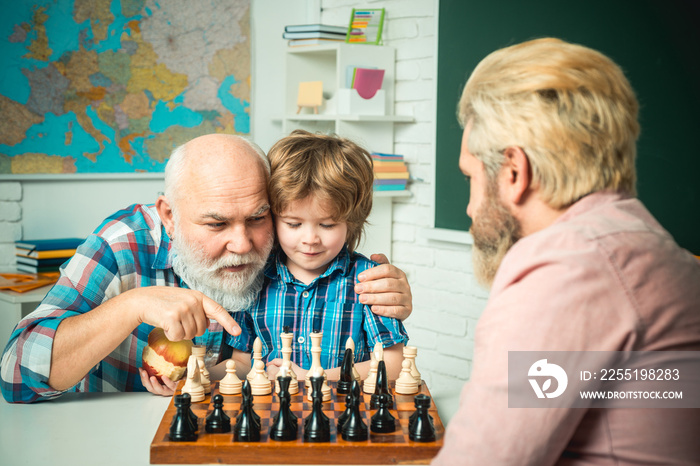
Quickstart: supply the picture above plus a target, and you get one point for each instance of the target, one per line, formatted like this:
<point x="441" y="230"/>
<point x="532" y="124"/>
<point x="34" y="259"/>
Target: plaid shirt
<point x="129" y="250"/>
<point x="328" y="303"/>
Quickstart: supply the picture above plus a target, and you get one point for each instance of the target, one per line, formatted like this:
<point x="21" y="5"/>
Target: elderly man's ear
<point x="165" y="212"/>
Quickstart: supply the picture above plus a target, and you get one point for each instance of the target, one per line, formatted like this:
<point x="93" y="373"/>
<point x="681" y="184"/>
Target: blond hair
<point x="570" y="109"/>
<point x="334" y="169"/>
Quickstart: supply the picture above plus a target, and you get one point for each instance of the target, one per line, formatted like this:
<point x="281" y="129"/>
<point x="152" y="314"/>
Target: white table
<point x="14" y="306"/>
<point x="98" y="428"/>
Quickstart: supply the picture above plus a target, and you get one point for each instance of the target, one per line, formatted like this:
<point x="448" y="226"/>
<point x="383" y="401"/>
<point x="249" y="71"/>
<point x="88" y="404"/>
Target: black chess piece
<point x="383" y="421"/>
<point x="420" y="427"/>
<point x="381" y="388"/>
<point x="317" y="426"/>
<point x="181" y="429"/>
<point x="218" y="422"/>
<point x="247" y="428"/>
<point x="284" y="425"/>
<point x="354" y="428"/>
<point x="194" y="420"/>
<point x="345" y="381"/>
<point x="348" y="407"/>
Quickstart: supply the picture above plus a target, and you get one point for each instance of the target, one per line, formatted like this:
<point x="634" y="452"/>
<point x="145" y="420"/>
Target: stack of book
<point x="44" y="255"/>
<point x="314" y="34"/>
<point x="390" y="172"/>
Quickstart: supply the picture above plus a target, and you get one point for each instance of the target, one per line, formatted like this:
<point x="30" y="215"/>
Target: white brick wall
<point x="447" y="300"/>
<point x="10" y="222"/>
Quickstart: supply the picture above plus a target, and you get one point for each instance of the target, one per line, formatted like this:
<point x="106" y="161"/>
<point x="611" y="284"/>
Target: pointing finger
<point x="213" y="310"/>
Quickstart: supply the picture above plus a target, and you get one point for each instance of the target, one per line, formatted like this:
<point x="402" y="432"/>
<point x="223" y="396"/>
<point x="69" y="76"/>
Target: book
<point x="382" y="182"/>
<point x="390" y="169"/>
<point x="40" y="262"/>
<point x="390" y="187"/>
<point x="44" y="254"/>
<point x="316" y="28"/>
<point x="391" y="175"/>
<point x="382" y="163"/>
<point x="312" y="35"/>
<point x="37" y="268"/>
<point x="49" y="244"/>
<point x="305" y="42"/>
<point x="387" y="157"/>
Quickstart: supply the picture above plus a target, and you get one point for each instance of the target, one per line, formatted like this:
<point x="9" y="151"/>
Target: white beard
<point x="234" y="291"/>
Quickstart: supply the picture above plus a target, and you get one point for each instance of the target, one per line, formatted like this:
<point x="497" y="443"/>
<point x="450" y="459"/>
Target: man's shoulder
<point x="136" y="217"/>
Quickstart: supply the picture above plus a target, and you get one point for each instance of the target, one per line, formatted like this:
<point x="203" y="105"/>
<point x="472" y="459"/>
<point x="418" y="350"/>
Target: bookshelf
<point x="329" y="63"/>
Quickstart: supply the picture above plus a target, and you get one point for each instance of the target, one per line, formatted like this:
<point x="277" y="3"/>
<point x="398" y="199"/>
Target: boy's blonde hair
<point x="570" y="109"/>
<point x="334" y="169"/>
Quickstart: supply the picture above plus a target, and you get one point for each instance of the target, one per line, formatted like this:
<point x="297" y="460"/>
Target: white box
<point x="348" y="101"/>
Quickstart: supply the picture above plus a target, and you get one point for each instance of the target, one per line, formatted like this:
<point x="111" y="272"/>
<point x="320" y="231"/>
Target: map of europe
<point x="112" y="86"/>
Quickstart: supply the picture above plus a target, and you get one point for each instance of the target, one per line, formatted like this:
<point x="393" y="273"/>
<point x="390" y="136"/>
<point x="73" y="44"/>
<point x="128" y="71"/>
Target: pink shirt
<point x="605" y="277"/>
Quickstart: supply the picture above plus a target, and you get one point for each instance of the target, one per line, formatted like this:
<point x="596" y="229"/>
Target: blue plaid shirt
<point x="328" y="303"/>
<point x="129" y="250"/>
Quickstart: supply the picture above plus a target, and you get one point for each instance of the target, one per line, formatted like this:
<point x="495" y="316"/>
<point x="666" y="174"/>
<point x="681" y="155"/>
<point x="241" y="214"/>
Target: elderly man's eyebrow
<point x="263" y="209"/>
<point x="215" y="216"/>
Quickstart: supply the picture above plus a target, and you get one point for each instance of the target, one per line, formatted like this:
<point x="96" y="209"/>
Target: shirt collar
<point x="162" y="259"/>
<point x="277" y="269"/>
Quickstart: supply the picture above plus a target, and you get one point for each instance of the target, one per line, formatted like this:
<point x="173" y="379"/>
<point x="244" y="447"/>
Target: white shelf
<point x="404" y="193"/>
<point x="368" y="118"/>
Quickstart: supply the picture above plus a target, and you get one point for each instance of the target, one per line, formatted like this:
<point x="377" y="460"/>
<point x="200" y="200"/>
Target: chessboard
<point x="387" y="448"/>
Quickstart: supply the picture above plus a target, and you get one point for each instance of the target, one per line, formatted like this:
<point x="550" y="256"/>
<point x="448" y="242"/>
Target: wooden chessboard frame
<point x="393" y="448"/>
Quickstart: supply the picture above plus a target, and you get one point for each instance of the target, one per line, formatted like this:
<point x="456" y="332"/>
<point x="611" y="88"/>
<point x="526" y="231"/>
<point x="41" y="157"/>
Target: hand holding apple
<point x="165" y="358"/>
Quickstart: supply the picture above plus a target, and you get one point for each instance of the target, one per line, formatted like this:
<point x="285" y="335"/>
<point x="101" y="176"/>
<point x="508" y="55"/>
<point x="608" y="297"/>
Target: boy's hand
<point x="385" y="289"/>
<point x="273" y="369"/>
<point x="154" y="385"/>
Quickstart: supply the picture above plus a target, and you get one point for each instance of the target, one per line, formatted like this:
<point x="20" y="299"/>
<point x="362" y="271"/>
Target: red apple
<point x="165" y="358"/>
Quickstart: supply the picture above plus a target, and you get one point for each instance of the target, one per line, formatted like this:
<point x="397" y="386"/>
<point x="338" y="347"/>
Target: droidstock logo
<point x="544" y="371"/>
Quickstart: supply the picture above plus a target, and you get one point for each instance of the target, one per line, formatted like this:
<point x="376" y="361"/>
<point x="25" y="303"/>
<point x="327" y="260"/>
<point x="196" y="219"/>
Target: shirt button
<point x="300" y="340"/>
<point x="305" y="294"/>
<point x="210" y="353"/>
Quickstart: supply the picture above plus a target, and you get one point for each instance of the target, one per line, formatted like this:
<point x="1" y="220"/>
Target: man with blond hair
<point x="574" y="261"/>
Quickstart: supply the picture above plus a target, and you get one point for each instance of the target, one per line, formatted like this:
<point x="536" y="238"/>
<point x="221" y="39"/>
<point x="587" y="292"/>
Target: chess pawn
<point x="230" y="384"/>
<point x="383" y="421"/>
<point x="181" y="429"/>
<point x="193" y="384"/>
<point x="350" y="343"/>
<point x="199" y="351"/>
<point x="410" y="352"/>
<point x="406" y="384"/>
<point x="260" y="385"/>
<point x="218" y="422"/>
<point x="257" y="356"/>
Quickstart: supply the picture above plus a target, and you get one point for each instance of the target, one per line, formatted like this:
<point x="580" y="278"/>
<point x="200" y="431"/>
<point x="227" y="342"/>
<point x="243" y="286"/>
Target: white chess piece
<point x="260" y="385"/>
<point x="200" y="351"/>
<point x="406" y="384"/>
<point x="257" y="356"/>
<point x="316" y="367"/>
<point x="193" y="384"/>
<point x="230" y="384"/>
<point x="370" y="382"/>
<point x="410" y="353"/>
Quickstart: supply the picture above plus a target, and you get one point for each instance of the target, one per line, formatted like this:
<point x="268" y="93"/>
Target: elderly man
<point x="179" y="265"/>
<point x="574" y="261"/>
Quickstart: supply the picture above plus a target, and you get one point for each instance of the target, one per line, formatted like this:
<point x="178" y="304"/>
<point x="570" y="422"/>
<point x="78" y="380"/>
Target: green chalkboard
<point x="657" y="43"/>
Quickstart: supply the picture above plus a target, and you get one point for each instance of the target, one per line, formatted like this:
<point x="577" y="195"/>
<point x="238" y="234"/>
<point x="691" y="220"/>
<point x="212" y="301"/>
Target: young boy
<point x="321" y="195"/>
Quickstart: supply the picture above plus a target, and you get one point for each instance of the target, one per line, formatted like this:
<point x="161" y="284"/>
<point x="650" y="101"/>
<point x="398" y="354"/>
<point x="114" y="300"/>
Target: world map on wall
<point x="112" y="86"/>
